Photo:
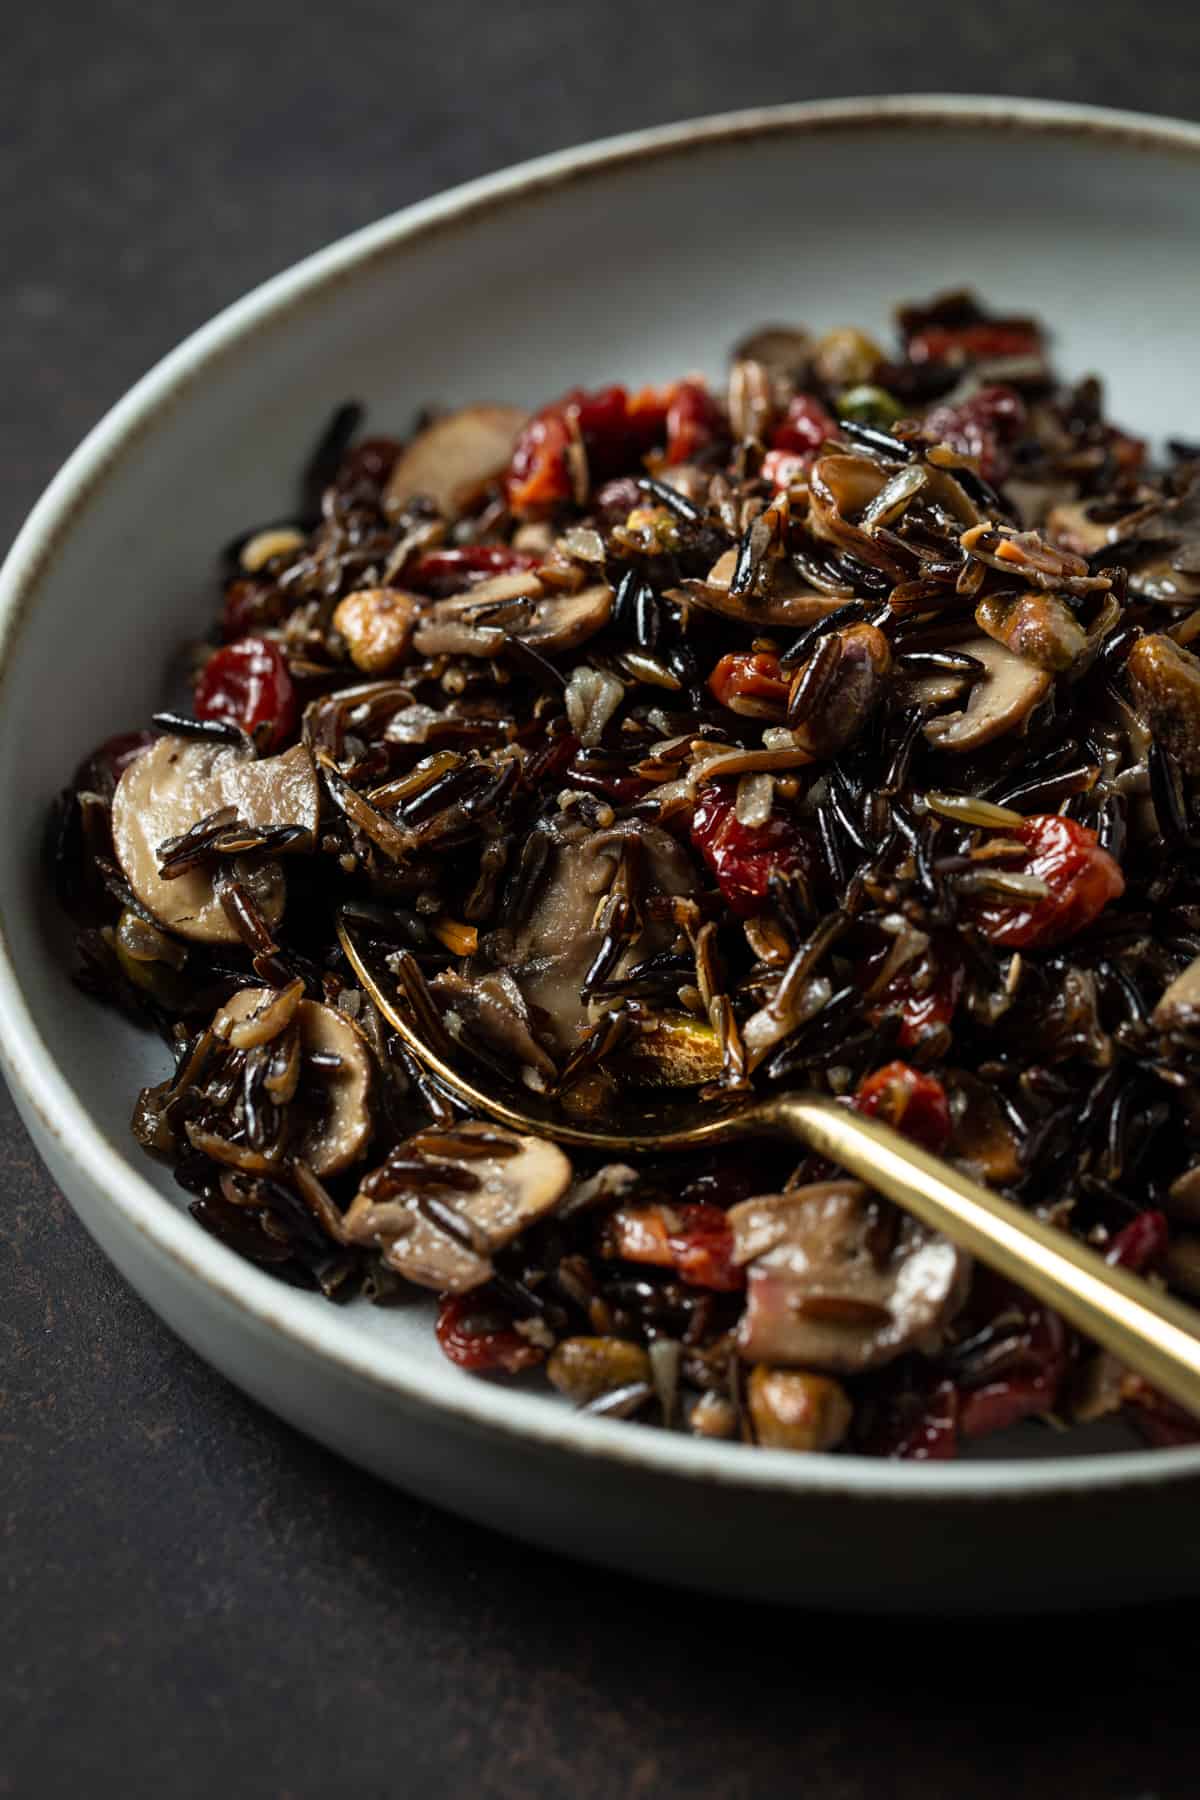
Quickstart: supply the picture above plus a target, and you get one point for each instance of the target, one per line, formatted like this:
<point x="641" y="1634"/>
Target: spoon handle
<point x="1145" y="1329"/>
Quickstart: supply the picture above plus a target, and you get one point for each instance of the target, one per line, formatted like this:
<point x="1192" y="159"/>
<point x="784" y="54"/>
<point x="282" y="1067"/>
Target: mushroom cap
<point x="497" y="1181"/>
<point x="556" y="945"/>
<point x="821" y="1295"/>
<point x="460" y="626"/>
<point x="788" y="601"/>
<point x="339" y="1132"/>
<point x="1166" y="688"/>
<point x="454" y="458"/>
<point x="1178" y="1007"/>
<point x="177" y="782"/>
<point x="998" y="703"/>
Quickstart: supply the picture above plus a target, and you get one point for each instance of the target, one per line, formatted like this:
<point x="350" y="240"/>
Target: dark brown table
<point x="196" y="1600"/>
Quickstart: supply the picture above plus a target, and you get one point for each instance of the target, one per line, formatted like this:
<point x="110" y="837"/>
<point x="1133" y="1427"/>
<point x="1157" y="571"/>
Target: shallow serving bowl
<point x="631" y="260"/>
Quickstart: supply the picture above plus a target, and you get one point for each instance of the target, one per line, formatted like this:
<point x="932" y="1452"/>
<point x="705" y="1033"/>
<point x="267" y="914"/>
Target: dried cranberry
<point x="1140" y="1244"/>
<point x="1034" y="1368"/>
<point x="1082" y="879"/>
<point x="695" y="1239"/>
<point x="751" y="684"/>
<point x="805" y="427"/>
<point x="248" y="684"/>
<point x="250" y="606"/>
<point x="610" y="784"/>
<point x="369" y="464"/>
<point x="925" y="996"/>
<point x="444" y="572"/>
<point x="102" y="770"/>
<point x="744" y="857"/>
<point x="782" y="468"/>
<point x="985" y="426"/>
<point x="617" y="499"/>
<point x="615" y="431"/>
<point x="693" y="422"/>
<point x="1159" y="1420"/>
<point x="475" y="1335"/>
<point x="910" y="1102"/>
<point x="966" y="343"/>
<point x="915" y="1422"/>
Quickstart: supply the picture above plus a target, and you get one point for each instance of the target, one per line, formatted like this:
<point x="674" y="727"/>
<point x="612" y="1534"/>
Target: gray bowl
<point x="634" y="259"/>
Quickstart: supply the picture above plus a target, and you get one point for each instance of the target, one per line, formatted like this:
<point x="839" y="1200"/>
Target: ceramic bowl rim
<point x="95" y="1161"/>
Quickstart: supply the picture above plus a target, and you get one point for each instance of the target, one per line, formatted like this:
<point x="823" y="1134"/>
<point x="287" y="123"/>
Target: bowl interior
<point x="634" y="270"/>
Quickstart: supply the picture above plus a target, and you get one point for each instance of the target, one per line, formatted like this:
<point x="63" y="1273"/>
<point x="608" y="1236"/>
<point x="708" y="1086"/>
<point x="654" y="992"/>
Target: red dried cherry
<point x="248" y="684"/>
<point x="909" y="1101"/>
<point x="473" y="1335"/>
<point x="751" y="684"/>
<point x="983" y="426"/>
<point x="444" y="572"/>
<point x="744" y="857"/>
<point x="695" y="1239"/>
<point x="1082" y="879"/>
<point x="804" y="428"/>
<point x="990" y="337"/>
<point x="1140" y="1244"/>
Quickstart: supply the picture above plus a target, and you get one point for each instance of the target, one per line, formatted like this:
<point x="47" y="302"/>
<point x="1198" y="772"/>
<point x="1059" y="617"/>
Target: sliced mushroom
<point x="1000" y="702"/>
<point x="1070" y="527"/>
<point x="556" y="945"/>
<point x="485" y="1184"/>
<point x="1033" y="625"/>
<point x="1179" y="1007"/>
<point x="476" y="624"/>
<point x="1025" y="556"/>
<point x="1160" y="543"/>
<point x="1166" y="688"/>
<point x="454" y="459"/>
<point x="786" y="602"/>
<point x="836" y="1282"/>
<point x="851" y="498"/>
<point x="334" y="1102"/>
<point x="179" y="781"/>
<point x="783" y="349"/>
<point x="493" y="1005"/>
<point x="983" y="1137"/>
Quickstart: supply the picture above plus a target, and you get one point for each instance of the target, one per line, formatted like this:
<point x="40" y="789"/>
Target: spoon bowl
<point x="1149" y="1331"/>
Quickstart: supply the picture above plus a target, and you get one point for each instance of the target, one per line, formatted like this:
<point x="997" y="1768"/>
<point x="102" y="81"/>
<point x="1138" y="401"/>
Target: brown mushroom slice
<point x="982" y="1137"/>
<point x="1000" y="702"/>
<point x="336" y="1088"/>
<point x="838" y="1282"/>
<point x="179" y="781"/>
<point x="783" y="349"/>
<point x="454" y="459"/>
<point x="788" y="601"/>
<point x="471" y="625"/>
<point x="1178" y="1008"/>
<point x="1071" y="529"/>
<point x="489" y="1185"/>
<point x="1166" y="688"/>
<point x="1034" y="625"/>
<point x="841" y="488"/>
<point x="556" y="945"/>
<point x="494" y="1007"/>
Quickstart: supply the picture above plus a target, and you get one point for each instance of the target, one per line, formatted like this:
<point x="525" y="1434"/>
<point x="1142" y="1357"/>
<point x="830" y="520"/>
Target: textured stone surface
<point x="196" y="1600"/>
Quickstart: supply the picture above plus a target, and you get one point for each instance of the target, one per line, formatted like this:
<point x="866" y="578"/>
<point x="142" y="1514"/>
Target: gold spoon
<point x="1145" y="1329"/>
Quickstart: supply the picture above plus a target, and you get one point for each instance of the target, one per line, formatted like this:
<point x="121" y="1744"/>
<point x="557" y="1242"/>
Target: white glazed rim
<point x="327" y="1334"/>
